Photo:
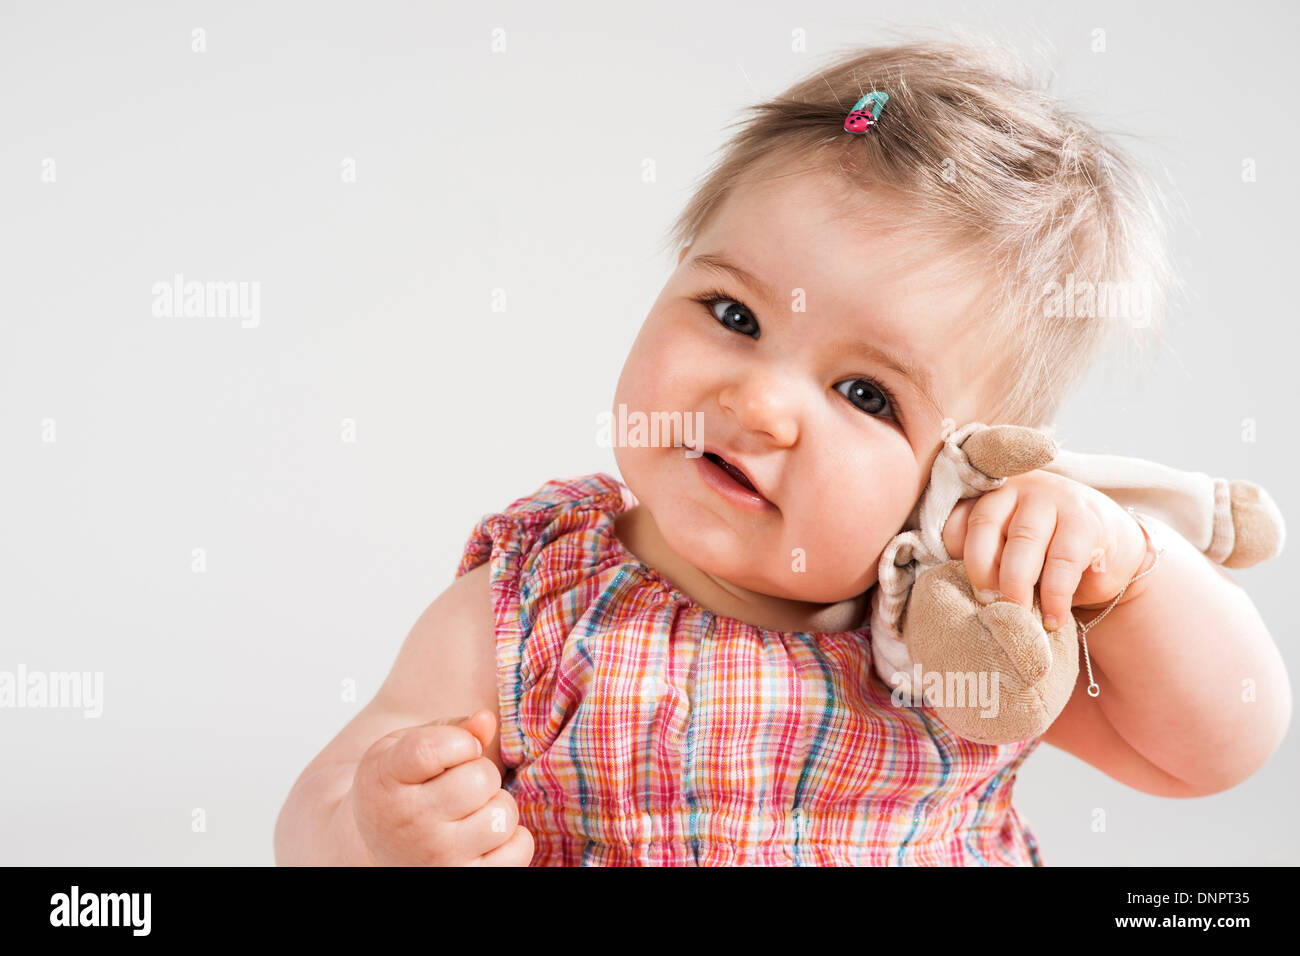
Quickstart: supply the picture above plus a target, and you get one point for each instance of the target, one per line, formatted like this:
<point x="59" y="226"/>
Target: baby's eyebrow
<point x="919" y="378"/>
<point x="719" y="263"/>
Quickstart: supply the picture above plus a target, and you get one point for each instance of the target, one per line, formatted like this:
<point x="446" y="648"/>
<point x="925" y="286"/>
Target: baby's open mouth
<point x="733" y="471"/>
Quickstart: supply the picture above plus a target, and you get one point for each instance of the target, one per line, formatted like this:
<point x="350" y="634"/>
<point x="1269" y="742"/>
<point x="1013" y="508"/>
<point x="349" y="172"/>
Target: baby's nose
<point x="763" y="407"/>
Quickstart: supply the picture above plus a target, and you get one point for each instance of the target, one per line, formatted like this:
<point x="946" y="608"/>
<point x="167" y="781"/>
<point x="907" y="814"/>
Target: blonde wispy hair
<point x="986" y="161"/>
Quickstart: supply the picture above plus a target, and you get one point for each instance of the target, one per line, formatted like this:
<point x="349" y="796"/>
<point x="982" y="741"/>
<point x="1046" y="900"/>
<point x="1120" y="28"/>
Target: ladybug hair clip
<point x="861" y="116"/>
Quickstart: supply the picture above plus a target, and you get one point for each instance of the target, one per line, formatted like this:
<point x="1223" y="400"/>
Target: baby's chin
<point x="831" y="595"/>
<point x="793" y="581"/>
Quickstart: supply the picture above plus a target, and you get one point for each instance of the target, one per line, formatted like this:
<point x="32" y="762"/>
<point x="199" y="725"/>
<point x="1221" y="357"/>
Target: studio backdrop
<point x="426" y="236"/>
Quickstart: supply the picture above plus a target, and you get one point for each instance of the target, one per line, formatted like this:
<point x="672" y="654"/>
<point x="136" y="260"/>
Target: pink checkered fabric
<point x="639" y="728"/>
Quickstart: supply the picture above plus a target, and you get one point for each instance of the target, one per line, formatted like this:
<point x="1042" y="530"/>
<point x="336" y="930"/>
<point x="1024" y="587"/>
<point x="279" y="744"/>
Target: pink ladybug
<point x="860" y="118"/>
<point x="858" y="121"/>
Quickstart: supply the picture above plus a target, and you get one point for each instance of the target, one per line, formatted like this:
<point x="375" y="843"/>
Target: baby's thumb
<point x="482" y="724"/>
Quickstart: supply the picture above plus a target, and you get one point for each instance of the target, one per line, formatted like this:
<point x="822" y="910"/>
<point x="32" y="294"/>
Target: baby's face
<point x="838" y="443"/>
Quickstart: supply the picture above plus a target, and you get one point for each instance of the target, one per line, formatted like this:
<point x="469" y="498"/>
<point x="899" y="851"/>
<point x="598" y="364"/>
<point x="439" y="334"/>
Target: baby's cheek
<point x="843" y="550"/>
<point x="659" y="377"/>
<point x="854" y="531"/>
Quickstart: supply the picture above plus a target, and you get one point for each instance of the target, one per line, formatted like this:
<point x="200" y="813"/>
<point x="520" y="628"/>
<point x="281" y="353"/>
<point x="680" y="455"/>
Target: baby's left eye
<point x="867" y="395"/>
<point x="738" y="318"/>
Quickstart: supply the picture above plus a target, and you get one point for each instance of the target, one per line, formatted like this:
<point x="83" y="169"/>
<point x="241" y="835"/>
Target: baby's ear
<point x="1001" y="451"/>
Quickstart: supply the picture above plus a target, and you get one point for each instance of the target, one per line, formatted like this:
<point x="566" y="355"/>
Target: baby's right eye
<point x="738" y="318"/>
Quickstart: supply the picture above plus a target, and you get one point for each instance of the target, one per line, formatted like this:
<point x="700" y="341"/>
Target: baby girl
<point x="676" y="668"/>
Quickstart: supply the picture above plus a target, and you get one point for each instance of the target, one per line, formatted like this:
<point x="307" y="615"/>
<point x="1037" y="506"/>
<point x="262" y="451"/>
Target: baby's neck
<point x="637" y="530"/>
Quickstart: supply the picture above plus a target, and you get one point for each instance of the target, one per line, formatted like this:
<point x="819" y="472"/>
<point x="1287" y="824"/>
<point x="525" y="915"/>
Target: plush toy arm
<point x="1235" y="523"/>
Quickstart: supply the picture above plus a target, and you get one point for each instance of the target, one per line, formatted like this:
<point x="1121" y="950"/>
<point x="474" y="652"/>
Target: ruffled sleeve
<point x="543" y="544"/>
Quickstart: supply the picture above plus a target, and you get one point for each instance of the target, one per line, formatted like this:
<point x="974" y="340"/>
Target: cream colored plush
<point x="992" y="673"/>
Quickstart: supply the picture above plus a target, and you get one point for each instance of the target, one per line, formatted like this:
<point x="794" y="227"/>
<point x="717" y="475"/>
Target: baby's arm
<point x="445" y="668"/>
<point x="1194" y="694"/>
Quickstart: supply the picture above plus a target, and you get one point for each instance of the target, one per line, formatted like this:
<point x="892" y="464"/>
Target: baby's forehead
<point x="867" y="255"/>
<point x="815" y="214"/>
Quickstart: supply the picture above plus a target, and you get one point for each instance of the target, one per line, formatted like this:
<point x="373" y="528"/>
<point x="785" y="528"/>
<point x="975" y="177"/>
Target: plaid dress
<point x="639" y="728"/>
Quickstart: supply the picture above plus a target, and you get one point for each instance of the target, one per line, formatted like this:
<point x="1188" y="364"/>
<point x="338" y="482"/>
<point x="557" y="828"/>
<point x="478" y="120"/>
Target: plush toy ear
<point x="1001" y="451"/>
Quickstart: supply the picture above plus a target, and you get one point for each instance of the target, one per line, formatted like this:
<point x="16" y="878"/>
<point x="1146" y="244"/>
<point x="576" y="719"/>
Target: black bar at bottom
<point x="899" y="907"/>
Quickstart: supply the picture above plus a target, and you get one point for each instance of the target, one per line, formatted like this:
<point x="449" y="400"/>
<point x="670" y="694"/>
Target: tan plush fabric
<point x="1260" y="530"/>
<point x="947" y="631"/>
<point x="1030" y="673"/>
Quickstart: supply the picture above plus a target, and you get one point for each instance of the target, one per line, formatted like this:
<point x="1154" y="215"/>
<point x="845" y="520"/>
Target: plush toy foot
<point x="991" y="672"/>
<point x="1258" y="529"/>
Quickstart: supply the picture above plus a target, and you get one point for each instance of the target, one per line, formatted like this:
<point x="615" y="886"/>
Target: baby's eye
<point x="736" y="317"/>
<point x="867" y="395"/>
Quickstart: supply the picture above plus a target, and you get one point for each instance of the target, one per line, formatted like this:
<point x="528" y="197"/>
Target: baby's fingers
<point x="985" y="527"/>
<point x="1068" y="557"/>
<point x="422" y="753"/>
<point x="517" y="851"/>
<point x="1024" y="556"/>
<point x="490" y="827"/>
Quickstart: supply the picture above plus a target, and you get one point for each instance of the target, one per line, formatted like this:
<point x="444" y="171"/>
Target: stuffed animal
<point x="992" y="672"/>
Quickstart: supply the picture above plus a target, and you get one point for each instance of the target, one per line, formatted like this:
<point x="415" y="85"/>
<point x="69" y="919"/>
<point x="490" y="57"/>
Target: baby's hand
<point x="426" y="796"/>
<point x="1076" y="543"/>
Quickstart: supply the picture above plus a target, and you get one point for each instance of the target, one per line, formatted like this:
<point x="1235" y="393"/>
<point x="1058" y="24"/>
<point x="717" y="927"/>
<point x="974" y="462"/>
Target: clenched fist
<point x="427" y="796"/>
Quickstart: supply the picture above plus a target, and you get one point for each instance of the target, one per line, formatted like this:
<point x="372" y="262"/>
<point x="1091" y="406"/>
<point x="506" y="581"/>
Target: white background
<point x="477" y="171"/>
